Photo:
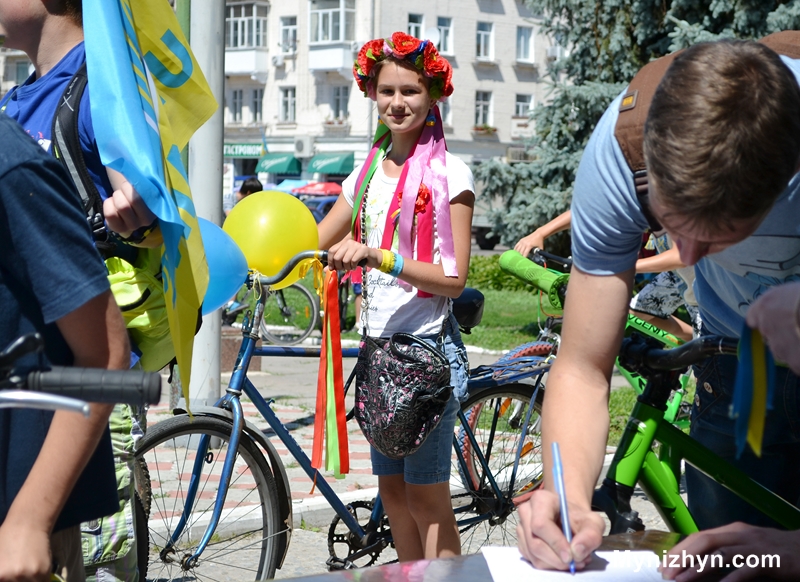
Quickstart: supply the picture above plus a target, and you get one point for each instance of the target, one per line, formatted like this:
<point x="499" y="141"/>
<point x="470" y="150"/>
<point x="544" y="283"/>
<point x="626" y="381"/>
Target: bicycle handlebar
<point x="133" y="387"/>
<point x="636" y="351"/>
<point x="322" y="256"/>
<point x="565" y="261"/>
<point x="293" y="262"/>
<point x="550" y="283"/>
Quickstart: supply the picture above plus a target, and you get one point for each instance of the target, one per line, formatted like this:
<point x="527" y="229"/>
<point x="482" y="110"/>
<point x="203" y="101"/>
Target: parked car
<point x="320" y="205"/>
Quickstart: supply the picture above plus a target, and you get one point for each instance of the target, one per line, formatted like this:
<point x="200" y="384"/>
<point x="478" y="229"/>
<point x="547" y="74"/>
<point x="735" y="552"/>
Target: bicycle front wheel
<point x="244" y="545"/>
<point x="495" y="416"/>
<point x="290" y="316"/>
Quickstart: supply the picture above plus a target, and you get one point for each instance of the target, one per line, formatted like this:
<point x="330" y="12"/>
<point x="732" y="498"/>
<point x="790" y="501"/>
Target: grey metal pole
<point x="205" y="178"/>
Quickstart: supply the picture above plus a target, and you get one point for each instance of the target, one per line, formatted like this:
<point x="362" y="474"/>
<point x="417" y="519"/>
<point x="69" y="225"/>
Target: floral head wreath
<point x="421" y="53"/>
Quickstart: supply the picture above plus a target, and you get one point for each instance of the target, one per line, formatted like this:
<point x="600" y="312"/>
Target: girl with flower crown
<point x="414" y="200"/>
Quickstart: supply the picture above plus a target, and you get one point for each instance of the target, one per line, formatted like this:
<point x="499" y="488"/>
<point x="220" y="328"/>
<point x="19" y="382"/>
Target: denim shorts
<point x="778" y="468"/>
<point x="431" y="463"/>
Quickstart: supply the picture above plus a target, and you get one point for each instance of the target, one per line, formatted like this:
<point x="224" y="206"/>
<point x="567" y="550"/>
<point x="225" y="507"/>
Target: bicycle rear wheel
<point x="495" y="415"/>
<point x="290" y="316"/>
<point x="244" y="545"/>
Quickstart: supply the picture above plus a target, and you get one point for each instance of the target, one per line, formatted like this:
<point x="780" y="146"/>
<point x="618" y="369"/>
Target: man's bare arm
<point x="96" y="334"/>
<point x="576" y="416"/>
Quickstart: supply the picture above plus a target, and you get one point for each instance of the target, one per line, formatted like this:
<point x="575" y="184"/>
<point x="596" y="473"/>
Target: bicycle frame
<point x="239" y="383"/>
<point x="659" y="474"/>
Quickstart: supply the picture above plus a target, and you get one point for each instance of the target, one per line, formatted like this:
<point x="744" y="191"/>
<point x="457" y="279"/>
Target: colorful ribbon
<point x="753" y="391"/>
<point x="425" y="165"/>
<point x="330" y="420"/>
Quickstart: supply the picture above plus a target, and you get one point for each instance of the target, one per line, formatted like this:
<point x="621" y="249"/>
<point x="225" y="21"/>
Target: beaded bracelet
<point x="387" y="262"/>
<point x="398" y="265"/>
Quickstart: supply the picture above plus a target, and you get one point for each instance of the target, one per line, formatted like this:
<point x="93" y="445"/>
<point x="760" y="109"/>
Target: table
<point x="473" y="568"/>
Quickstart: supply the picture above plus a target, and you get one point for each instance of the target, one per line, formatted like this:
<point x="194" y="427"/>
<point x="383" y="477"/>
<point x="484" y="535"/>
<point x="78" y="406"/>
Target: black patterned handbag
<point x="402" y="390"/>
<point x="402" y="384"/>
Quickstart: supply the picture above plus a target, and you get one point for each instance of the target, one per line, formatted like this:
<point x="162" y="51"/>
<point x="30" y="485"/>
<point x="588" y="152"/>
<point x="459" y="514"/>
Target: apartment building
<point x="293" y="110"/>
<point x="15" y="67"/>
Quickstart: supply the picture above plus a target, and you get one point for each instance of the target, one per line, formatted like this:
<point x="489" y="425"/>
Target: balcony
<point x="521" y="128"/>
<point x="332" y="57"/>
<point x="252" y="61"/>
<point x="336" y="128"/>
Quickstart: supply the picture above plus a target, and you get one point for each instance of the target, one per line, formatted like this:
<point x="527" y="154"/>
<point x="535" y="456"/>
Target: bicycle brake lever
<point x="27" y="344"/>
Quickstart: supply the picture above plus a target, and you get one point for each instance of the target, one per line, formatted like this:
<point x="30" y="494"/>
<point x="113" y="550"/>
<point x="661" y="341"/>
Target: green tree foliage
<point x="609" y="41"/>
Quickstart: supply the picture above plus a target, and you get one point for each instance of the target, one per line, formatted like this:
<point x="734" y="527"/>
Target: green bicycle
<point x="652" y="450"/>
<point x="552" y="287"/>
<point x="653" y="446"/>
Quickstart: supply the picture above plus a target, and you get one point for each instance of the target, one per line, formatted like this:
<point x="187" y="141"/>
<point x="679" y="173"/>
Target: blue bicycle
<point x="219" y="498"/>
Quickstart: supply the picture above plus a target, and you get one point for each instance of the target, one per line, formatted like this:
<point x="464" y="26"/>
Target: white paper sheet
<point x="508" y="564"/>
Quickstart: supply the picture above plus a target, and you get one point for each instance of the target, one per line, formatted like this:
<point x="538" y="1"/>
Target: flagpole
<point x="207" y="22"/>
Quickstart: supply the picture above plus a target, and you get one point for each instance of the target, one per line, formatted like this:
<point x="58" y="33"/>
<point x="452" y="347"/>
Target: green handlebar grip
<point x="543" y="279"/>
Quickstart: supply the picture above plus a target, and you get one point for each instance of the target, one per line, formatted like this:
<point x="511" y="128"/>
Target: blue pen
<point x="558" y="476"/>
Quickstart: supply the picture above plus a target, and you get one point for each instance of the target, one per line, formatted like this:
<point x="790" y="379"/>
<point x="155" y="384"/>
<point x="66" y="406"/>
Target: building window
<point x="237" y="97"/>
<point x="445" y="26"/>
<point x="523" y="105"/>
<point x="445" y="112"/>
<point x="483" y="48"/>
<point x="483" y="106"/>
<point x="341" y="96"/>
<point x="246" y="25"/>
<point x="288" y="104"/>
<point x="415" y="25"/>
<point x="288" y="34"/>
<point x="257" y="107"/>
<point x="21" y="70"/>
<point x="332" y="20"/>
<point x="524" y="48"/>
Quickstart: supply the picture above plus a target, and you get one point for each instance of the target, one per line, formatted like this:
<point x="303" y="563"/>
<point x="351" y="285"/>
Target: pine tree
<point x="608" y="42"/>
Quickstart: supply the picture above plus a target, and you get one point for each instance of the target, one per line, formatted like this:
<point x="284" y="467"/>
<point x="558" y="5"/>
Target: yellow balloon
<point x="271" y="227"/>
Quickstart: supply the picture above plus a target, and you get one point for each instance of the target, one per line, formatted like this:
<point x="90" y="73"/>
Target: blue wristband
<point x="398" y="265"/>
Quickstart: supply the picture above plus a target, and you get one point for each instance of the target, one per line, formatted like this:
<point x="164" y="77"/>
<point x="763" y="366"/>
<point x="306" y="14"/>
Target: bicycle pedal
<point x="333" y="563"/>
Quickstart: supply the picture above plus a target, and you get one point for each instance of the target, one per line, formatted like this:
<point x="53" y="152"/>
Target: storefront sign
<point x="242" y="150"/>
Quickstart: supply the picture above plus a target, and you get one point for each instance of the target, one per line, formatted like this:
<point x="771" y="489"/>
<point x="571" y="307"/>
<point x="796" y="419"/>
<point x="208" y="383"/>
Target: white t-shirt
<point x="393" y="306"/>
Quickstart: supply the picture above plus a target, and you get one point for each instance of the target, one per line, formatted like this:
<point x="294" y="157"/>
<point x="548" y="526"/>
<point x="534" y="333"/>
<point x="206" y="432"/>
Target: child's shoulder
<point x="456" y="164"/>
<point x="459" y="175"/>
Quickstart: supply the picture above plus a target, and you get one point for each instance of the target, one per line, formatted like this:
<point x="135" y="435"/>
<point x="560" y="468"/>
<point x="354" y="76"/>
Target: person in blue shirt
<point x="722" y="149"/>
<point x="52" y="281"/>
<point x="51" y="34"/>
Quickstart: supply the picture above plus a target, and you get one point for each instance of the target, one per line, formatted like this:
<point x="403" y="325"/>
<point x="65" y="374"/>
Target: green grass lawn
<point x="510" y="318"/>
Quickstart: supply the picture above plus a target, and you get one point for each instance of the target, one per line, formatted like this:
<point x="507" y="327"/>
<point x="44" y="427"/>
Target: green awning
<point x="340" y="164"/>
<point x="278" y="164"/>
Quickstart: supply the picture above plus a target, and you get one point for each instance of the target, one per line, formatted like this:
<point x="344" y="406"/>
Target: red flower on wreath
<point x="439" y="68"/>
<point x="370" y="54"/>
<point x="404" y="44"/>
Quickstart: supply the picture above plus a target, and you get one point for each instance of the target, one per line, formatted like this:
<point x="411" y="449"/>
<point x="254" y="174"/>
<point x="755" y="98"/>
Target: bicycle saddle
<point x="468" y="309"/>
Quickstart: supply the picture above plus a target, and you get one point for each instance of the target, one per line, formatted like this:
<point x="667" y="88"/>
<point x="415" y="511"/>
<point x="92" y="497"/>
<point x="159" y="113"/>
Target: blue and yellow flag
<point x="148" y="96"/>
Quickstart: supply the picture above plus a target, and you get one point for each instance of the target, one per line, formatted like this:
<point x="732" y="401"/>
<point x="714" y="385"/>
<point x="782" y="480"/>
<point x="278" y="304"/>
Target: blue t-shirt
<point x="48" y="268"/>
<point x="607" y="223"/>
<point x="34" y="103"/>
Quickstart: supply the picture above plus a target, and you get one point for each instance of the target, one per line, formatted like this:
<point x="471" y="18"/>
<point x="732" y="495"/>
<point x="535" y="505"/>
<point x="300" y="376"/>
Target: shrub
<point x="485" y="273"/>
